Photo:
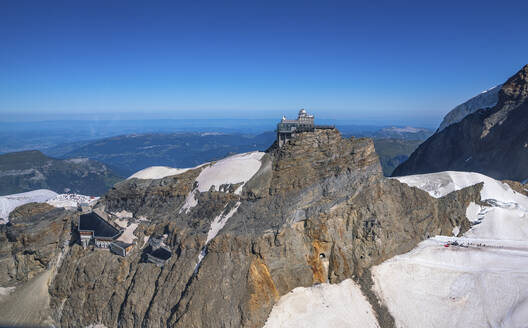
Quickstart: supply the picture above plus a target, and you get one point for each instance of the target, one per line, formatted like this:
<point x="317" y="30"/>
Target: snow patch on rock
<point x="217" y="225"/>
<point x="324" y="305"/>
<point x="232" y="170"/>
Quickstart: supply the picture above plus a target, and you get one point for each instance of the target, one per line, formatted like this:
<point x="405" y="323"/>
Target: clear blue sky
<point x="366" y="61"/>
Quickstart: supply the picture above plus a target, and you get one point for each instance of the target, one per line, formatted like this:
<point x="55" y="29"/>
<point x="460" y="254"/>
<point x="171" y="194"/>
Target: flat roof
<point x="161" y="253"/>
<point x="101" y="228"/>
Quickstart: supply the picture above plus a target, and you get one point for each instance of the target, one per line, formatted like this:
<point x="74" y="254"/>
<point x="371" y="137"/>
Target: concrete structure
<point x="121" y="248"/>
<point x="286" y="129"/>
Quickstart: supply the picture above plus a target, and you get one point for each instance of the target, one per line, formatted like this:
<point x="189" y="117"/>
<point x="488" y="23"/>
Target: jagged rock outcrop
<point x="32" y="240"/>
<point x="317" y="210"/>
<point x="489" y="141"/>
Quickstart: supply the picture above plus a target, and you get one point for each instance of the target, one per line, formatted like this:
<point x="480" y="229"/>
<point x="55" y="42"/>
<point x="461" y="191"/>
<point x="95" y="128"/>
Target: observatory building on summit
<point x="286" y="129"/>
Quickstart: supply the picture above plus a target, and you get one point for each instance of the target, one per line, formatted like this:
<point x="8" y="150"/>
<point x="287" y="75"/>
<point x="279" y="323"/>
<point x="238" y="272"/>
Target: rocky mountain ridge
<point x="489" y="141"/>
<point x="317" y="210"/>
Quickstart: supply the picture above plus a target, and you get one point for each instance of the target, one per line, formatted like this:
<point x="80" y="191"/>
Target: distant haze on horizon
<point x="388" y="63"/>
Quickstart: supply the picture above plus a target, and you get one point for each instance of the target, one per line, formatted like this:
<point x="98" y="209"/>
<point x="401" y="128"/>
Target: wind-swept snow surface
<point x="325" y="305"/>
<point x="9" y="202"/>
<point x="479" y="279"/>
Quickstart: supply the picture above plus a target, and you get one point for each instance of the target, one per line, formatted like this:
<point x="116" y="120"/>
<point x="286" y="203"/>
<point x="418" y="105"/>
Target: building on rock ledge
<point x="286" y="129"/>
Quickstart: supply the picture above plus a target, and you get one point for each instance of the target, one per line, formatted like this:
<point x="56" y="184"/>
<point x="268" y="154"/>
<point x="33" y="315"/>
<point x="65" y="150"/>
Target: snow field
<point x="325" y="305"/>
<point x="435" y="286"/>
<point x="9" y="202"/>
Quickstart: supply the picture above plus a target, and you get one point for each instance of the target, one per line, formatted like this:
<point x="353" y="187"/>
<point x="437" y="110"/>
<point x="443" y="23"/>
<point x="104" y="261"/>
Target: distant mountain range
<point x="492" y="141"/>
<point x="31" y="170"/>
<point x="128" y="154"/>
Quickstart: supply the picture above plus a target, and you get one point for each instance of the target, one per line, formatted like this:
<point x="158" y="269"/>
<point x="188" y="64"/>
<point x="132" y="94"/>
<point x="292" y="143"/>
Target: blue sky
<point x="369" y="62"/>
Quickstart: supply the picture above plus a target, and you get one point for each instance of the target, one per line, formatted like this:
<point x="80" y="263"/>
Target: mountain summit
<point x="492" y="141"/>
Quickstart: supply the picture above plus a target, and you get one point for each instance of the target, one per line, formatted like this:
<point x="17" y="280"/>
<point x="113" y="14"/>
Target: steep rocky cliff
<point x="317" y="210"/>
<point x="31" y="248"/>
<point x="489" y="141"/>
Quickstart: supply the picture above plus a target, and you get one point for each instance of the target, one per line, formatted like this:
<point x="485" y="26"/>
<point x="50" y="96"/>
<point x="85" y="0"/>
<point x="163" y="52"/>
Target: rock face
<point x="318" y="210"/>
<point x="30" y="170"/>
<point x="32" y="240"/>
<point x="493" y="142"/>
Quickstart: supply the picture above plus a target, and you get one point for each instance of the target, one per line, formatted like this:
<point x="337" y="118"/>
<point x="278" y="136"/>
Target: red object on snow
<point x="446" y="245"/>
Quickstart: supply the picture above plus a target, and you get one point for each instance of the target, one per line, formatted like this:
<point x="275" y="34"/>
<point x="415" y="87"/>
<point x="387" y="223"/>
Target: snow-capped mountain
<point x="486" y="99"/>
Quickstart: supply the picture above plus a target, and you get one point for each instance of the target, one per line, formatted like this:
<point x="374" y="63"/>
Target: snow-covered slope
<point x="485" y="99"/>
<point x="325" y="305"/>
<point x="231" y="170"/>
<point x="157" y="172"/>
<point x="235" y="169"/>
<point x="482" y="282"/>
<point x="10" y="202"/>
<point x="441" y="183"/>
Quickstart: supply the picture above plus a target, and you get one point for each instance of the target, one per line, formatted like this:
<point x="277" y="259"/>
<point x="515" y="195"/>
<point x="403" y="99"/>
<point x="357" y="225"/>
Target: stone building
<point x="286" y="129"/>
